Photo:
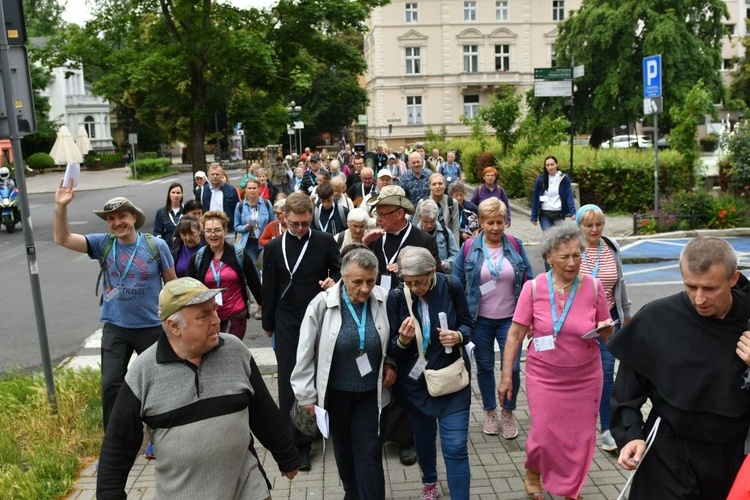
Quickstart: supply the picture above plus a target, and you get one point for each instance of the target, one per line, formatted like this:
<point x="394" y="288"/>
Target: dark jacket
<point x="164" y="225"/>
<point x="230" y="199"/>
<point x="568" y="204"/>
<point x="228" y="257"/>
<point x="446" y="296"/>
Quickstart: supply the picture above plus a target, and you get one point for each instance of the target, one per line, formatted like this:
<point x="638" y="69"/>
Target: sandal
<point x="533" y="485"/>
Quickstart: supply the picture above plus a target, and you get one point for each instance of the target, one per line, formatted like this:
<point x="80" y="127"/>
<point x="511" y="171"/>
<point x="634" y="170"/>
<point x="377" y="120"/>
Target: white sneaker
<point x="490" y="426"/>
<point x="510" y="427"/>
<point x="608" y="442"/>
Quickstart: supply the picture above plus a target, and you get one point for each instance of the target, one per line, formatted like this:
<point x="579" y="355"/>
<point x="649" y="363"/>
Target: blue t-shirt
<point x="136" y="305"/>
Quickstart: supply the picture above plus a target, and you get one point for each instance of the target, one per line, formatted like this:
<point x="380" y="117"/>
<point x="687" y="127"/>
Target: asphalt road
<point x="68" y="279"/>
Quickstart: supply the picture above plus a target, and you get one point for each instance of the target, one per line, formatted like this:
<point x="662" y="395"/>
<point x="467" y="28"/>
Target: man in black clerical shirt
<point x="296" y="267"/>
<point x="688" y="353"/>
<point x="329" y="216"/>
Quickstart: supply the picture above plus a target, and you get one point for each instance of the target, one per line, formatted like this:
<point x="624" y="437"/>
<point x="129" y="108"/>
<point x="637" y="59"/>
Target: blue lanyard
<point x="598" y="259"/>
<point x="217" y="274"/>
<point x="361" y="323"/>
<point x="495" y="268"/>
<point x="130" y="262"/>
<point x="425" y="326"/>
<point x="558" y="323"/>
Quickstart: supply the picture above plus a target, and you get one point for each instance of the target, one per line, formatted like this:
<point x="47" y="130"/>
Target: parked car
<point x="628" y="141"/>
<point x="663" y="143"/>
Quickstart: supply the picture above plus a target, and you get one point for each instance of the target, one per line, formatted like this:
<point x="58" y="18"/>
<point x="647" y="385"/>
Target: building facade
<point x="431" y="61"/>
<point x="72" y="104"/>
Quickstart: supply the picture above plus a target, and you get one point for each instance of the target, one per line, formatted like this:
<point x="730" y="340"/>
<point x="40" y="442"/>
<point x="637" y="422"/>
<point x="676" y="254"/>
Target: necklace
<point x="560" y="292"/>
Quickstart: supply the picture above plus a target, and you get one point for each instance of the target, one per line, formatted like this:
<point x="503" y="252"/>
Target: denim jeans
<point x="454" y="434"/>
<point x="547" y="222"/>
<point x="356" y="445"/>
<point x="118" y="345"/>
<point x="608" y="367"/>
<point x="486" y="333"/>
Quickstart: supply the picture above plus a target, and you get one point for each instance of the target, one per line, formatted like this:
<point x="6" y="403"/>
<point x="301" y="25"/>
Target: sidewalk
<point x="497" y="467"/>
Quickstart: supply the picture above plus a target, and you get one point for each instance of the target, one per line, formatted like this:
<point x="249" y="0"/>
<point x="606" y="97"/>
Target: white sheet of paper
<point x="72" y="173"/>
<point x="385" y="282"/>
<point x="321" y="417"/>
<point x="217" y="298"/>
<point x="470" y="351"/>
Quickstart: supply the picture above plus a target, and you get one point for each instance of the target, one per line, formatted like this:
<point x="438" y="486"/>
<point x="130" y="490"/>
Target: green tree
<point x="698" y="103"/>
<point x="501" y="113"/>
<point x="611" y="37"/>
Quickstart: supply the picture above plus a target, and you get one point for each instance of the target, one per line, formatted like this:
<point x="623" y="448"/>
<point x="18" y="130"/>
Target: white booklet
<point x="321" y="417"/>
<point x="595" y="332"/>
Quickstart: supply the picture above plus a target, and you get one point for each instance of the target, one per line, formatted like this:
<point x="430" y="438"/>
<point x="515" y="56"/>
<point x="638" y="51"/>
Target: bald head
<point x="415" y="163"/>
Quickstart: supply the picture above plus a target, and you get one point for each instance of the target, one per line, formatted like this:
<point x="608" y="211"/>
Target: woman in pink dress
<point x="563" y="370"/>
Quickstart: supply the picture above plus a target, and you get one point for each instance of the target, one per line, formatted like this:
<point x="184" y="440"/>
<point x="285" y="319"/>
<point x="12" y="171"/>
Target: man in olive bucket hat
<point x="133" y="265"/>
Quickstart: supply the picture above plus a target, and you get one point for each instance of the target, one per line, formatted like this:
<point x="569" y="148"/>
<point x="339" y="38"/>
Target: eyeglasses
<point x="213" y="231"/>
<point x="278" y="213"/>
<point x="305" y="223"/>
<point x="383" y="216"/>
<point x="419" y="283"/>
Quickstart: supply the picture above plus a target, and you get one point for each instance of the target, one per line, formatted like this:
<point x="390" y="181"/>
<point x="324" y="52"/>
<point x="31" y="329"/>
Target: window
<point x="412" y="13"/>
<point x="413" y="61"/>
<point x="502" y="57"/>
<point x="747" y="13"/>
<point x="501" y="10"/>
<point x="558" y="10"/>
<point x="727" y="64"/>
<point x="88" y="124"/>
<point x="471" y="105"/>
<point x="414" y="110"/>
<point x="470" y="11"/>
<point x="471" y="58"/>
<point x="553" y="59"/>
<point x="730" y="29"/>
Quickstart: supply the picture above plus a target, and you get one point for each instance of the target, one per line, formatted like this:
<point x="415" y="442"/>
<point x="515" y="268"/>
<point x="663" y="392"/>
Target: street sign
<point x="299" y="125"/>
<point x="652" y="106"/>
<point x="652" y="76"/>
<point x="553" y="73"/>
<point x="578" y="71"/>
<point x="562" y="88"/>
<point x="362" y="119"/>
<point x="133" y="138"/>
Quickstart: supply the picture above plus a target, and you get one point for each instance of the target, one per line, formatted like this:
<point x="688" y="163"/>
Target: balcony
<point x="84" y="100"/>
<point x="488" y="79"/>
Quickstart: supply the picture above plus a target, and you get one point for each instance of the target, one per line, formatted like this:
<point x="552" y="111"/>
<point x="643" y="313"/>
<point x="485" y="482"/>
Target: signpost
<point x="652" y="104"/>
<point x="558" y="82"/>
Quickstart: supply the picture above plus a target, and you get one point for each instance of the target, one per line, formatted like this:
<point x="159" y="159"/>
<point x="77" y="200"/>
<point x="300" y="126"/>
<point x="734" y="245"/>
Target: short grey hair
<point x="456" y="187"/>
<point x="358" y="215"/>
<point x="280" y="204"/>
<point x="703" y="252"/>
<point x="415" y="261"/>
<point x="359" y="255"/>
<point x="428" y="208"/>
<point x="176" y="318"/>
<point x="558" y="235"/>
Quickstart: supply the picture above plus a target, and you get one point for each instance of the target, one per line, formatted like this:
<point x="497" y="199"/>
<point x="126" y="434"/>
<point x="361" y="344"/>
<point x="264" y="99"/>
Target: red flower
<point x="722" y="213"/>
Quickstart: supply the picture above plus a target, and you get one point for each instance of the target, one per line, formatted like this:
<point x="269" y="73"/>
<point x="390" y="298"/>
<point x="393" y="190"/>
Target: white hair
<point x="358" y="215"/>
<point x="176" y="318"/>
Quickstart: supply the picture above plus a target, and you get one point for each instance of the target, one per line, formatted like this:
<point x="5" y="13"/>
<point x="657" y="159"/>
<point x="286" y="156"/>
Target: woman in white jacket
<point x="342" y="367"/>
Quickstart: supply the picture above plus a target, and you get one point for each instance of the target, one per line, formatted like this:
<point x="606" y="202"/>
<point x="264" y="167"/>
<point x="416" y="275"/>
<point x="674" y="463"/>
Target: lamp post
<point x="293" y="110"/>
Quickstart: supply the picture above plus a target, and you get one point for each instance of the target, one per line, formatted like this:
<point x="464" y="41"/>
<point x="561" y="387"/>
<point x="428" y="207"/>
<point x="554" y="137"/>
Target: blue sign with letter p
<point x="652" y="77"/>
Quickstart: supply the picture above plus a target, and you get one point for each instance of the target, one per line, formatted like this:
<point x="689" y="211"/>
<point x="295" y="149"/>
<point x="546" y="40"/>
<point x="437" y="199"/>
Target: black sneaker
<point x="407" y="455"/>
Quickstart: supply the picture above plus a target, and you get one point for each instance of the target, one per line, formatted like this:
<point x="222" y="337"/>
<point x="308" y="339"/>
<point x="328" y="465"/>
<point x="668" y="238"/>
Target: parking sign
<point x="652" y="77"/>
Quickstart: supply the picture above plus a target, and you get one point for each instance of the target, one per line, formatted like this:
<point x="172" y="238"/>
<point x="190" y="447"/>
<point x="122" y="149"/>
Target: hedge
<point x="150" y="166"/>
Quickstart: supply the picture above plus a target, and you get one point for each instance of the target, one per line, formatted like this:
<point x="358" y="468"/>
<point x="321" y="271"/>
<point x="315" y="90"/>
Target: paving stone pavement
<point x="497" y="467"/>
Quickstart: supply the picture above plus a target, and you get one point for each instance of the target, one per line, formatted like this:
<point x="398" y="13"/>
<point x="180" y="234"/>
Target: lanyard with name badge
<point x="363" y="362"/>
<point x="299" y="259"/>
<point x="385" y="279"/>
<point x="598" y="259"/>
<point x="495" y="268"/>
<point x="320" y="217"/>
<point x="424" y="315"/>
<point x="113" y="291"/>
<point x="547" y="342"/>
<point x="217" y="279"/>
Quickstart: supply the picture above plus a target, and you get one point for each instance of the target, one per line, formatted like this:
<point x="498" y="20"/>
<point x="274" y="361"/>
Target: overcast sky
<point x="76" y="11"/>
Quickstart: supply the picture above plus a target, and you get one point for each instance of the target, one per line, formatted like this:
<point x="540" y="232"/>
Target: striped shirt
<point x="606" y="271"/>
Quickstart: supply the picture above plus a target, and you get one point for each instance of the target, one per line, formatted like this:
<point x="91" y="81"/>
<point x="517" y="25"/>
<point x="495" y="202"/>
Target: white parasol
<point x="64" y="150"/>
<point x="82" y="140"/>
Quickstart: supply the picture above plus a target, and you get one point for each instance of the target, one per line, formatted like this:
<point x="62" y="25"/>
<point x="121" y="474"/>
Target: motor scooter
<point x="11" y="213"/>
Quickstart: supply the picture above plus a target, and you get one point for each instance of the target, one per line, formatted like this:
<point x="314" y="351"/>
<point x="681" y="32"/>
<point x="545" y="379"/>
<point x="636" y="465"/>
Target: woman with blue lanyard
<point x="168" y="216"/>
<point x="601" y="259"/>
<point x="342" y="366"/>
<point x="561" y="310"/>
<point x="492" y="268"/>
<point x="218" y="265"/>
<point x="251" y="216"/>
<point x="414" y="311"/>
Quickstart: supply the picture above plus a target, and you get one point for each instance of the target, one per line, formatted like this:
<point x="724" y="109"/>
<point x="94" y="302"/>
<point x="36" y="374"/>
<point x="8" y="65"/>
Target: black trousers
<point x="118" y="344"/>
<point x="286" y="358"/>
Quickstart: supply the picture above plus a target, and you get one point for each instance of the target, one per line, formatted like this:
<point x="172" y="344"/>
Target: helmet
<point x="4" y="173"/>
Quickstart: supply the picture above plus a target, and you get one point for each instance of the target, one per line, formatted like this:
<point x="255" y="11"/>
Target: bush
<point x="148" y="167"/>
<point x="106" y="160"/>
<point x="149" y="155"/>
<point x="696" y="202"/>
<point x="727" y="212"/>
<point x="709" y="144"/>
<point x="40" y="161"/>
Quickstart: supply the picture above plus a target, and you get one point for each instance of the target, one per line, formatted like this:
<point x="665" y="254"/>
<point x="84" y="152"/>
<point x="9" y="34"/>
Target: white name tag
<point x="449" y="178"/>
<point x="544" y="199"/>
<point x="487" y="287"/>
<point x="218" y="300"/>
<point x="418" y="368"/>
<point x="385" y="282"/>
<point x="363" y="363"/>
<point x="111" y="294"/>
<point x="546" y="343"/>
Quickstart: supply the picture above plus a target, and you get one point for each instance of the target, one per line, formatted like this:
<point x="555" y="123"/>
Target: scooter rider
<point x="5" y="180"/>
